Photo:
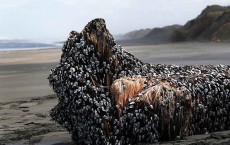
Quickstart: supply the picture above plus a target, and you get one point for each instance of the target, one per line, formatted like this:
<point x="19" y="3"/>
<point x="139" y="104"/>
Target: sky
<point x="54" y="19"/>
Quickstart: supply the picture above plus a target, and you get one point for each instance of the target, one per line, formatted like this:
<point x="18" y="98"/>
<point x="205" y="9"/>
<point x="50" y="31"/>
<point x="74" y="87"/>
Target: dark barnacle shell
<point x="197" y="99"/>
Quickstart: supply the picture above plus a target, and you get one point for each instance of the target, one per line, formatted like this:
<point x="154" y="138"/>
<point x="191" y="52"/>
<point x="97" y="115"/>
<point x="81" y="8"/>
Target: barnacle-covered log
<point x="159" y="112"/>
<point x="108" y="96"/>
<point x="90" y="62"/>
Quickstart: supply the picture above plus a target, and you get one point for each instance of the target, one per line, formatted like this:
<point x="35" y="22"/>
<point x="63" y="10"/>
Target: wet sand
<point x="23" y="73"/>
<point x="192" y="53"/>
<point x="26" y="97"/>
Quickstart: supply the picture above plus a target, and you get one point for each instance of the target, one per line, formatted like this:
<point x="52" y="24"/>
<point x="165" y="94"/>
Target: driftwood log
<point x="108" y="96"/>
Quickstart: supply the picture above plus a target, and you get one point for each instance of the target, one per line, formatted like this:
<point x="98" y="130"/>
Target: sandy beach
<point x="26" y="97"/>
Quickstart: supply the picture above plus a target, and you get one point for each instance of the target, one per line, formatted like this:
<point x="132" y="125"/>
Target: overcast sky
<point x="54" y="19"/>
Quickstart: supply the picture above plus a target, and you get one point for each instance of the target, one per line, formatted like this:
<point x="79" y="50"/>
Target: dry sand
<point x="26" y="97"/>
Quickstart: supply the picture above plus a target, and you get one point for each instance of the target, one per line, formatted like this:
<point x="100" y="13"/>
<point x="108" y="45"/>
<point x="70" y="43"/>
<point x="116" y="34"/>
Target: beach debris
<point x="108" y="96"/>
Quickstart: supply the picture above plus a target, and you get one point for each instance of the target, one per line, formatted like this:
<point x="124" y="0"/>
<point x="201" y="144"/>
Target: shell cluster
<point x="179" y="101"/>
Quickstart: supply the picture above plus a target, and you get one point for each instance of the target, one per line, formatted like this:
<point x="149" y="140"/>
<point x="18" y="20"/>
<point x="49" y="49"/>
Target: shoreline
<point x="26" y="49"/>
<point x="23" y="74"/>
<point x="124" y="46"/>
<point x="29" y="56"/>
<point x="25" y="91"/>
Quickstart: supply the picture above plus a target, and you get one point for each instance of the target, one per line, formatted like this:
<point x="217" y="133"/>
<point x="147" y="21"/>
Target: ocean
<point x="8" y="45"/>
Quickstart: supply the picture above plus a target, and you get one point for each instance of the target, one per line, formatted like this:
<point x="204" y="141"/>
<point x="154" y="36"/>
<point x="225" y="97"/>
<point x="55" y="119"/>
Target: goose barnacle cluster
<point x="108" y="96"/>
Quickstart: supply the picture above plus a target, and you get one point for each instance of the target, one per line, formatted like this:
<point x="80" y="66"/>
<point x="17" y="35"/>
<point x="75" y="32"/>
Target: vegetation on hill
<point x="213" y="24"/>
<point x="136" y="34"/>
<point x="152" y="36"/>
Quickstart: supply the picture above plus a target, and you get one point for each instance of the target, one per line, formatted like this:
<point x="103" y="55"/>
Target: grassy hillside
<point x="149" y="36"/>
<point x="161" y="34"/>
<point x="137" y="34"/>
<point x="211" y="25"/>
